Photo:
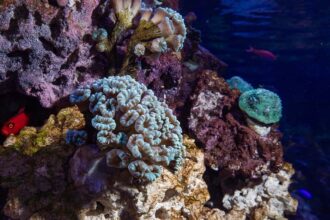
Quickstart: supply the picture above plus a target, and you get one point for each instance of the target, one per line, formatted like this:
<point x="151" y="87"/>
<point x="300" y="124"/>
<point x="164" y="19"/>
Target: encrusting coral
<point x="141" y="133"/>
<point x="30" y="139"/>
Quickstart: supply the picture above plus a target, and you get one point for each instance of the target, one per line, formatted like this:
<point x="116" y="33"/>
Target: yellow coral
<point x="30" y="139"/>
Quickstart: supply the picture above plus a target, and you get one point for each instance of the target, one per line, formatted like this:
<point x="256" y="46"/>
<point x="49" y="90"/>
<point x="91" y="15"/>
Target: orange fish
<point x="262" y="53"/>
<point x="16" y="123"/>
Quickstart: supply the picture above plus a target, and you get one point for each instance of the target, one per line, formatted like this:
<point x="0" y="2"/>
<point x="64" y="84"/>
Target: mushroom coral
<point x="135" y="130"/>
<point x="262" y="105"/>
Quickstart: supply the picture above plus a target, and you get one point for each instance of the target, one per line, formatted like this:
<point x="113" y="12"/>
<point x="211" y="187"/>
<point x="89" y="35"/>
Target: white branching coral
<point x="141" y="133"/>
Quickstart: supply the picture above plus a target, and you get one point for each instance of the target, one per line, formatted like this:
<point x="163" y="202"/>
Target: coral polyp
<point x="136" y="130"/>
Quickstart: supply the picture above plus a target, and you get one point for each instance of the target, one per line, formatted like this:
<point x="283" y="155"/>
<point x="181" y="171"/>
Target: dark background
<point x="298" y="32"/>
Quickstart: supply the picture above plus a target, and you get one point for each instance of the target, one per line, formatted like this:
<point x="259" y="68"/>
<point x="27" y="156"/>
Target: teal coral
<point x="139" y="132"/>
<point x="262" y="105"/>
<point x="237" y="82"/>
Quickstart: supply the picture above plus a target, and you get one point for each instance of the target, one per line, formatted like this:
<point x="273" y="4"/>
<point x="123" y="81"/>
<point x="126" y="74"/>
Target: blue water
<point x="298" y="32"/>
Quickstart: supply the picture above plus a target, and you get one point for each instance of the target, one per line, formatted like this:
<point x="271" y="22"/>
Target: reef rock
<point x="44" y="48"/>
<point x="38" y="185"/>
<point x="269" y="199"/>
<point x="171" y="196"/>
<point x="220" y="126"/>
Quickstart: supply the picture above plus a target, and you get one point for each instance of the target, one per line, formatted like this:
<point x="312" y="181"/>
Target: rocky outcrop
<point x="45" y="51"/>
<point x="220" y="126"/>
<point x="269" y="199"/>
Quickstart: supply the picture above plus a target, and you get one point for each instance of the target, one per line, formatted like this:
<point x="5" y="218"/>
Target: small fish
<point x="304" y="193"/>
<point x="262" y="53"/>
<point x="16" y="123"/>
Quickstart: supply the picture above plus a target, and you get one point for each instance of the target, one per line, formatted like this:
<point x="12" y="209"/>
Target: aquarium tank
<point x="164" y="109"/>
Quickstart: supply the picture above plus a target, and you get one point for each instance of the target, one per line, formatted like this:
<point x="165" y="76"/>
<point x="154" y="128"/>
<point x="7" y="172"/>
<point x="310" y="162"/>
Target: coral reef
<point x="44" y="51"/>
<point x="171" y="196"/>
<point x="142" y="133"/>
<point x="230" y="145"/>
<point x="261" y="105"/>
<point x="30" y="139"/>
<point x="269" y="199"/>
<point x="237" y="82"/>
<point x="132" y="160"/>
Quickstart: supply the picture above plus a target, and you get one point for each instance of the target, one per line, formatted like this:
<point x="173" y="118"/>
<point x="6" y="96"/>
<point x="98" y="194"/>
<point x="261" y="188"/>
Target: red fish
<point x="262" y="53"/>
<point x="16" y="123"/>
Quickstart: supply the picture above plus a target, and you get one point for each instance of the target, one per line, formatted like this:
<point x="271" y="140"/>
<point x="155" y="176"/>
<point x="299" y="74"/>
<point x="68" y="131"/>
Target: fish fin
<point x="250" y="49"/>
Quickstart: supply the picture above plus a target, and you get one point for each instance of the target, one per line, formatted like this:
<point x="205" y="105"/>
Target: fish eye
<point x="11" y="125"/>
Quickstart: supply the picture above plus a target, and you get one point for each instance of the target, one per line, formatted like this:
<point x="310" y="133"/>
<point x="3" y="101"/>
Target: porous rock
<point x="44" y="51"/>
<point x="269" y="199"/>
<point x="220" y="126"/>
<point x="171" y="196"/>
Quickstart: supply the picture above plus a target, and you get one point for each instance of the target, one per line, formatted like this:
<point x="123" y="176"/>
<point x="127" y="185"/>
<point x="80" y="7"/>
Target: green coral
<point x="30" y="139"/>
<point x="262" y="105"/>
<point x="237" y="82"/>
<point x="135" y="130"/>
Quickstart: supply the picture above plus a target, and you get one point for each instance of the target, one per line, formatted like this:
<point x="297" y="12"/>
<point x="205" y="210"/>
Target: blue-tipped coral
<point x="139" y="132"/>
<point x="261" y="105"/>
<point x="237" y="82"/>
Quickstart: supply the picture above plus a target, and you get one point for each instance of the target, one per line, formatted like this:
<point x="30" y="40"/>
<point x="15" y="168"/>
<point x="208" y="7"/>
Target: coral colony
<point x="143" y="126"/>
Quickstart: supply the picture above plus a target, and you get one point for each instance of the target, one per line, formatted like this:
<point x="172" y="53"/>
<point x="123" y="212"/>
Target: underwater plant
<point x="237" y="82"/>
<point x="135" y="130"/>
<point x="262" y="105"/>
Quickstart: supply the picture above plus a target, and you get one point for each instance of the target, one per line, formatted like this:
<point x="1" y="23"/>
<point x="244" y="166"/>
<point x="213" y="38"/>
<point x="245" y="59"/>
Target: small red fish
<point x="262" y="53"/>
<point x="16" y="123"/>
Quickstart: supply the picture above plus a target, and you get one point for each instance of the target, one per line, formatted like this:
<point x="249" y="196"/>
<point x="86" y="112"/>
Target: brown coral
<point x="230" y="145"/>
